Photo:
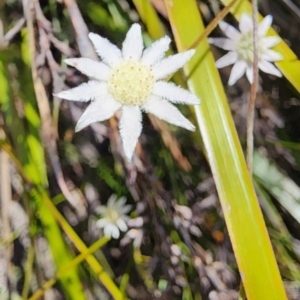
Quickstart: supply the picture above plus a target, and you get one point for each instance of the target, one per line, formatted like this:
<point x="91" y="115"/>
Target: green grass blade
<point x="282" y="187"/>
<point x="28" y="148"/>
<point x="80" y="258"/>
<point x="251" y="244"/>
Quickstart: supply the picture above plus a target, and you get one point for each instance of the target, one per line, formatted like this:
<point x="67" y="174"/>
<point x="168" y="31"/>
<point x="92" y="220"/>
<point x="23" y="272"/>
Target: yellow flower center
<point x="131" y="82"/>
<point x="112" y="215"/>
<point x="245" y="47"/>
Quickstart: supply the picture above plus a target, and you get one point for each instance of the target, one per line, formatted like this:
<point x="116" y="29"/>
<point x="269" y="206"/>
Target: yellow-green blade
<point x="249" y="237"/>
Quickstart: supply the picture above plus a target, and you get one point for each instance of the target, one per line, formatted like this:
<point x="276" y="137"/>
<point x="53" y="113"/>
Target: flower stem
<point x="253" y="92"/>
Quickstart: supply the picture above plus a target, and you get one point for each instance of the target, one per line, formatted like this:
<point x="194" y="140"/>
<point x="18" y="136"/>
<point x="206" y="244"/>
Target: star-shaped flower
<point x="132" y="80"/>
<point x="114" y="216"/>
<point x="240" y="46"/>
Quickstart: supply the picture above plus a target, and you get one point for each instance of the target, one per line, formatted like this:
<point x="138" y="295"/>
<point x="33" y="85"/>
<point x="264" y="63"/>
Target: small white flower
<point x="240" y="46"/>
<point x="114" y="216"/>
<point x="131" y="80"/>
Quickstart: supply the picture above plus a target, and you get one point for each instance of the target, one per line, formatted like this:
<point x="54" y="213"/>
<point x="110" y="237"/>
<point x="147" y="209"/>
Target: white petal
<point x="121" y="202"/>
<point x="122" y="225"/>
<point x="164" y="110"/>
<point x="109" y="52"/>
<point x="126" y="209"/>
<point x="111" y="230"/>
<point x="115" y="232"/>
<point x="222" y="43"/>
<point x="174" y="93"/>
<point x="133" y="43"/>
<point x="229" y="31"/>
<point x="238" y="70"/>
<point x="171" y="64"/>
<point x="138" y="240"/>
<point x="269" y="41"/>
<point x="85" y="92"/>
<point x="245" y="24"/>
<point x="264" y="25"/>
<point x="269" y="68"/>
<point x="156" y="51"/>
<point x="101" y="209"/>
<point x="101" y="223"/>
<point x="99" y="110"/>
<point x="111" y="200"/>
<point x="91" y="68"/>
<point x="271" y="55"/>
<point x="249" y="73"/>
<point x="226" y="60"/>
<point x="130" y="128"/>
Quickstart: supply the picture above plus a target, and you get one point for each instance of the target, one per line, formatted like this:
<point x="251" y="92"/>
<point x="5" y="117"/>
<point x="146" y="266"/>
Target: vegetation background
<point x="52" y="180"/>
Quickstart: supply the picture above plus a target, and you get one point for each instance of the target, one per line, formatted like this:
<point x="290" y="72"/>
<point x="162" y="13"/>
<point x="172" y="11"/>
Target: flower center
<point x="245" y="47"/>
<point x="112" y="215"/>
<point x="131" y="83"/>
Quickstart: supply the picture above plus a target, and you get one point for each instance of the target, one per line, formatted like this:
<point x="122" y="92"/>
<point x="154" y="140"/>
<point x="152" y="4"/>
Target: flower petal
<point x="111" y="200"/>
<point x="226" y="60"/>
<point x="164" y="110"/>
<point x="126" y="209"/>
<point x="223" y="43"/>
<point x="101" y="209"/>
<point x="156" y="51"/>
<point x="90" y="68"/>
<point x="269" y="68"/>
<point x="99" y="110"/>
<point x="269" y="41"/>
<point x="264" y="25"/>
<point x="115" y="232"/>
<point x="250" y="74"/>
<point x="245" y="24"/>
<point x="171" y="64"/>
<point x="133" y="43"/>
<point x="122" y="225"/>
<point x="130" y="128"/>
<point x="111" y="230"/>
<point x="109" y="52"/>
<point x="229" y="31"/>
<point x="121" y="202"/>
<point x="174" y="93"/>
<point x="101" y="223"/>
<point x="271" y="55"/>
<point x="85" y="92"/>
<point x="238" y="70"/>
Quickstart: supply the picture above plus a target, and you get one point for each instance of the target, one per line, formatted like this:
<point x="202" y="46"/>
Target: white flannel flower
<point x="240" y="46"/>
<point x="131" y="80"/>
<point x="114" y="216"/>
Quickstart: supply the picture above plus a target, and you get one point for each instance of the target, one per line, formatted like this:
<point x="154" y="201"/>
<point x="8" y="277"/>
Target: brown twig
<point x="253" y="92"/>
<point x="48" y="133"/>
<point x="5" y="197"/>
<point x="12" y="32"/>
<point x="213" y="24"/>
<point x="84" y="44"/>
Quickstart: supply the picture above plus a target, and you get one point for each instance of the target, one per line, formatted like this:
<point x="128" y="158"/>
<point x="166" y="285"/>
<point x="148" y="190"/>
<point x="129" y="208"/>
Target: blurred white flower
<point x="135" y="234"/>
<point x="183" y="218"/>
<point x="132" y="80"/>
<point x="114" y="216"/>
<point x="240" y="46"/>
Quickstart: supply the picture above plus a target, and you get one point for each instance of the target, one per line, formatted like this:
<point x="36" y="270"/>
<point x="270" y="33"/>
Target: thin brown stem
<point x="253" y="92"/>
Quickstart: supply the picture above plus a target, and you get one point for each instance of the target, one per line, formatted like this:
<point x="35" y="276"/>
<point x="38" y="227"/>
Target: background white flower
<point x="114" y="216"/>
<point x="131" y="80"/>
<point x="240" y="46"/>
